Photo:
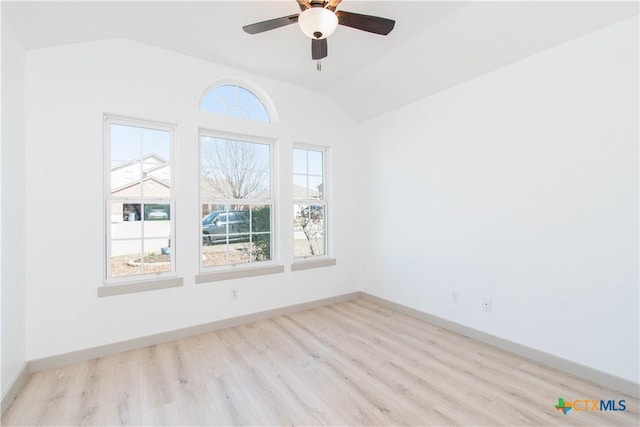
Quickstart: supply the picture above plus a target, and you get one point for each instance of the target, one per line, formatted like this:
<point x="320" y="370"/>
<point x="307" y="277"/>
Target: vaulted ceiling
<point x="435" y="44"/>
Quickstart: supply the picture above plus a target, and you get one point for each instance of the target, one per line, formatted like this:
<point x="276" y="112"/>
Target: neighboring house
<point x="300" y="192"/>
<point x="151" y="187"/>
<point x="149" y="176"/>
<point x="208" y="189"/>
<point x="151" y="165"/>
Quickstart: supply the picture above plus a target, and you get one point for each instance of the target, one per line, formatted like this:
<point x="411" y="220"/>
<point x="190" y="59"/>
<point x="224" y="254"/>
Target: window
<point x="139" y="200"/>
<point x="236" y="101"/>
<point x="236" y="200"/>
<point x="310" y="202"/>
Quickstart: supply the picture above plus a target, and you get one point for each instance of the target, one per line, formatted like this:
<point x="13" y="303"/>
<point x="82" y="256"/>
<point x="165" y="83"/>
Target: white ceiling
<point x="435" y="44"/>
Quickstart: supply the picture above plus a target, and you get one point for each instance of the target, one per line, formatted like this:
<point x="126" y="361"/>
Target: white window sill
<point x="239" y="273"/>
<point x="313" y="263"/>
<point x="129" y="288"/>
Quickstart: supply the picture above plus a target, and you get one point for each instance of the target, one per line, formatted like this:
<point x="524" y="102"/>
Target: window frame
<point x="143" y="281"/>
<point x="325" y="259"/>
<point x="248" y="269"/>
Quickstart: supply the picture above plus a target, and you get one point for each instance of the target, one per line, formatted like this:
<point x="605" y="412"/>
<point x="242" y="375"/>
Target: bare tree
<point x="240" y="170"/>
<point x="235" y="169"/>
<point x="310" y="219"/>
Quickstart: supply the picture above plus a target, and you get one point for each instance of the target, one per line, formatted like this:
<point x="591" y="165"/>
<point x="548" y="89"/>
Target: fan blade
<point x="371" y="24"/>
<point x="332" y="4"/>
<point x="304" y="5"/>
<point x="271" y="24"/>
<point x="318" y="48"/>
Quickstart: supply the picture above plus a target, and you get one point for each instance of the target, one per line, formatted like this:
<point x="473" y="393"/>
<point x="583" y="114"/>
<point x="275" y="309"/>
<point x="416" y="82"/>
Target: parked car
<point x="219" y="224"/>
<point x="158" y="214"/>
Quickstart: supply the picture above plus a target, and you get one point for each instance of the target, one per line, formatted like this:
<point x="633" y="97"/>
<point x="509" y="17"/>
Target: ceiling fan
<point x="319" y="19"/>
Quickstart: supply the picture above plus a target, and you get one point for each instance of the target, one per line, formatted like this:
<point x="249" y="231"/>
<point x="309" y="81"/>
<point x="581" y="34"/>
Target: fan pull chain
<point x="319" y="65"/>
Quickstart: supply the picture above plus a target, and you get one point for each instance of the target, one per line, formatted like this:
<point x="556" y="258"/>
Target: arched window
<point x="237" y="101"/>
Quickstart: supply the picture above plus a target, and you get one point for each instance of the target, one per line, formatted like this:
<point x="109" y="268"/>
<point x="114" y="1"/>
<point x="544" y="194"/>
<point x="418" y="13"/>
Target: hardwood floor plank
<point x="272" y="375"/>
<point x="374" y="372"/>
<point x="351" y="363"/>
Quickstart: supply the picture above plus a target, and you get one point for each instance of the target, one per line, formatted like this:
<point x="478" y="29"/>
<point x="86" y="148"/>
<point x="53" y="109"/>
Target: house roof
<point x="161" y="160"/>
<point x="133" y="184"/>
<point x="434" y="45"/>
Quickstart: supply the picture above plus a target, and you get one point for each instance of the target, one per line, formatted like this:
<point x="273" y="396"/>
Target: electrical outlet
<point x="486" y="305"/>
<point x="455" y="298"/>
<point x="234" y="294"/>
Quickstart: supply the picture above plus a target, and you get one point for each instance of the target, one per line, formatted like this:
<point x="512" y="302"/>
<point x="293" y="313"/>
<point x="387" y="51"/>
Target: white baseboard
<point x="17" y="383"/>
<point x="613" y="382"/>
<point x="109" y="349"/>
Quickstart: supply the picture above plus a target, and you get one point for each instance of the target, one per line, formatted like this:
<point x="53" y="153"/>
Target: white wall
<point x="13" y="207"/>
<point x="520" y="186"/>
<point x="68" y="90"/>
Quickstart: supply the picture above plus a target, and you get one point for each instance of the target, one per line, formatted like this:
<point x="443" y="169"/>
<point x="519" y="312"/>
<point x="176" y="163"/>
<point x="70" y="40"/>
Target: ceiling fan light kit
<point x="318" y="22"/>
<point x="319" y="19"/>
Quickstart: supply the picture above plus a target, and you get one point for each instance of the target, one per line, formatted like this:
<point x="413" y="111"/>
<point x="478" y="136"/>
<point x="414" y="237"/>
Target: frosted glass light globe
<point x="318" y="22"/>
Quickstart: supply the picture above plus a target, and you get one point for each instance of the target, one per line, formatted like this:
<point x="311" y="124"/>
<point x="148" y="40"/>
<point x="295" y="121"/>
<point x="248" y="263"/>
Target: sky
<point x="129" y="143"/>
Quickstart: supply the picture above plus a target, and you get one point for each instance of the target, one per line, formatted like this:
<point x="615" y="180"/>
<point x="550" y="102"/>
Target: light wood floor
<point x="352" y="363"/>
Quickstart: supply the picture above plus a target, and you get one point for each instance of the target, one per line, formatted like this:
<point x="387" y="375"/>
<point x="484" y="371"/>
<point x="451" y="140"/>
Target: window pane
<point x="125" y="152"/>
<point x="235" y="169"/>
<point x="300" y="189"/>
<point x="309" y="230"/>
<point x="246" y="99"/>
<point x="156" y="142"/>
<point x="157" y="212"/>
<point x="123" y="253"/>
<point x="236" y="111"/>
<point x="315" y="187"/>
<point x="155" y="261"/>
<point x="315" y="162"/>
<point x="232" y="249"/>
<point x="156" y="146"/>
<point x="240" y="221"/>
<point x="235" y="236"/>
<point x="125" y="144"/>
<point x="299" y="161"/>
<point x="259" y="113"/>
<point x="261" y="224"/>
<point x="121" y="226"/>
<point x="157" y="264"/>
<point x="158" y="229"/>
<point x="140" y="162"/>
<point x="210" y="212"/>
<point x="126" y="230"/>
<point x="215" y="228"/>
<point x="211" y="103"/>
<point x="240" y="252"/>
<point x="131" y="212"/>
<point x="261" y="247"/>
<point x="235" y="101"/>
<point x="212" y="184"/>
<point x="227" y="94"/>
<point x="261" y="219"/>
<point x="214" y="255"/>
